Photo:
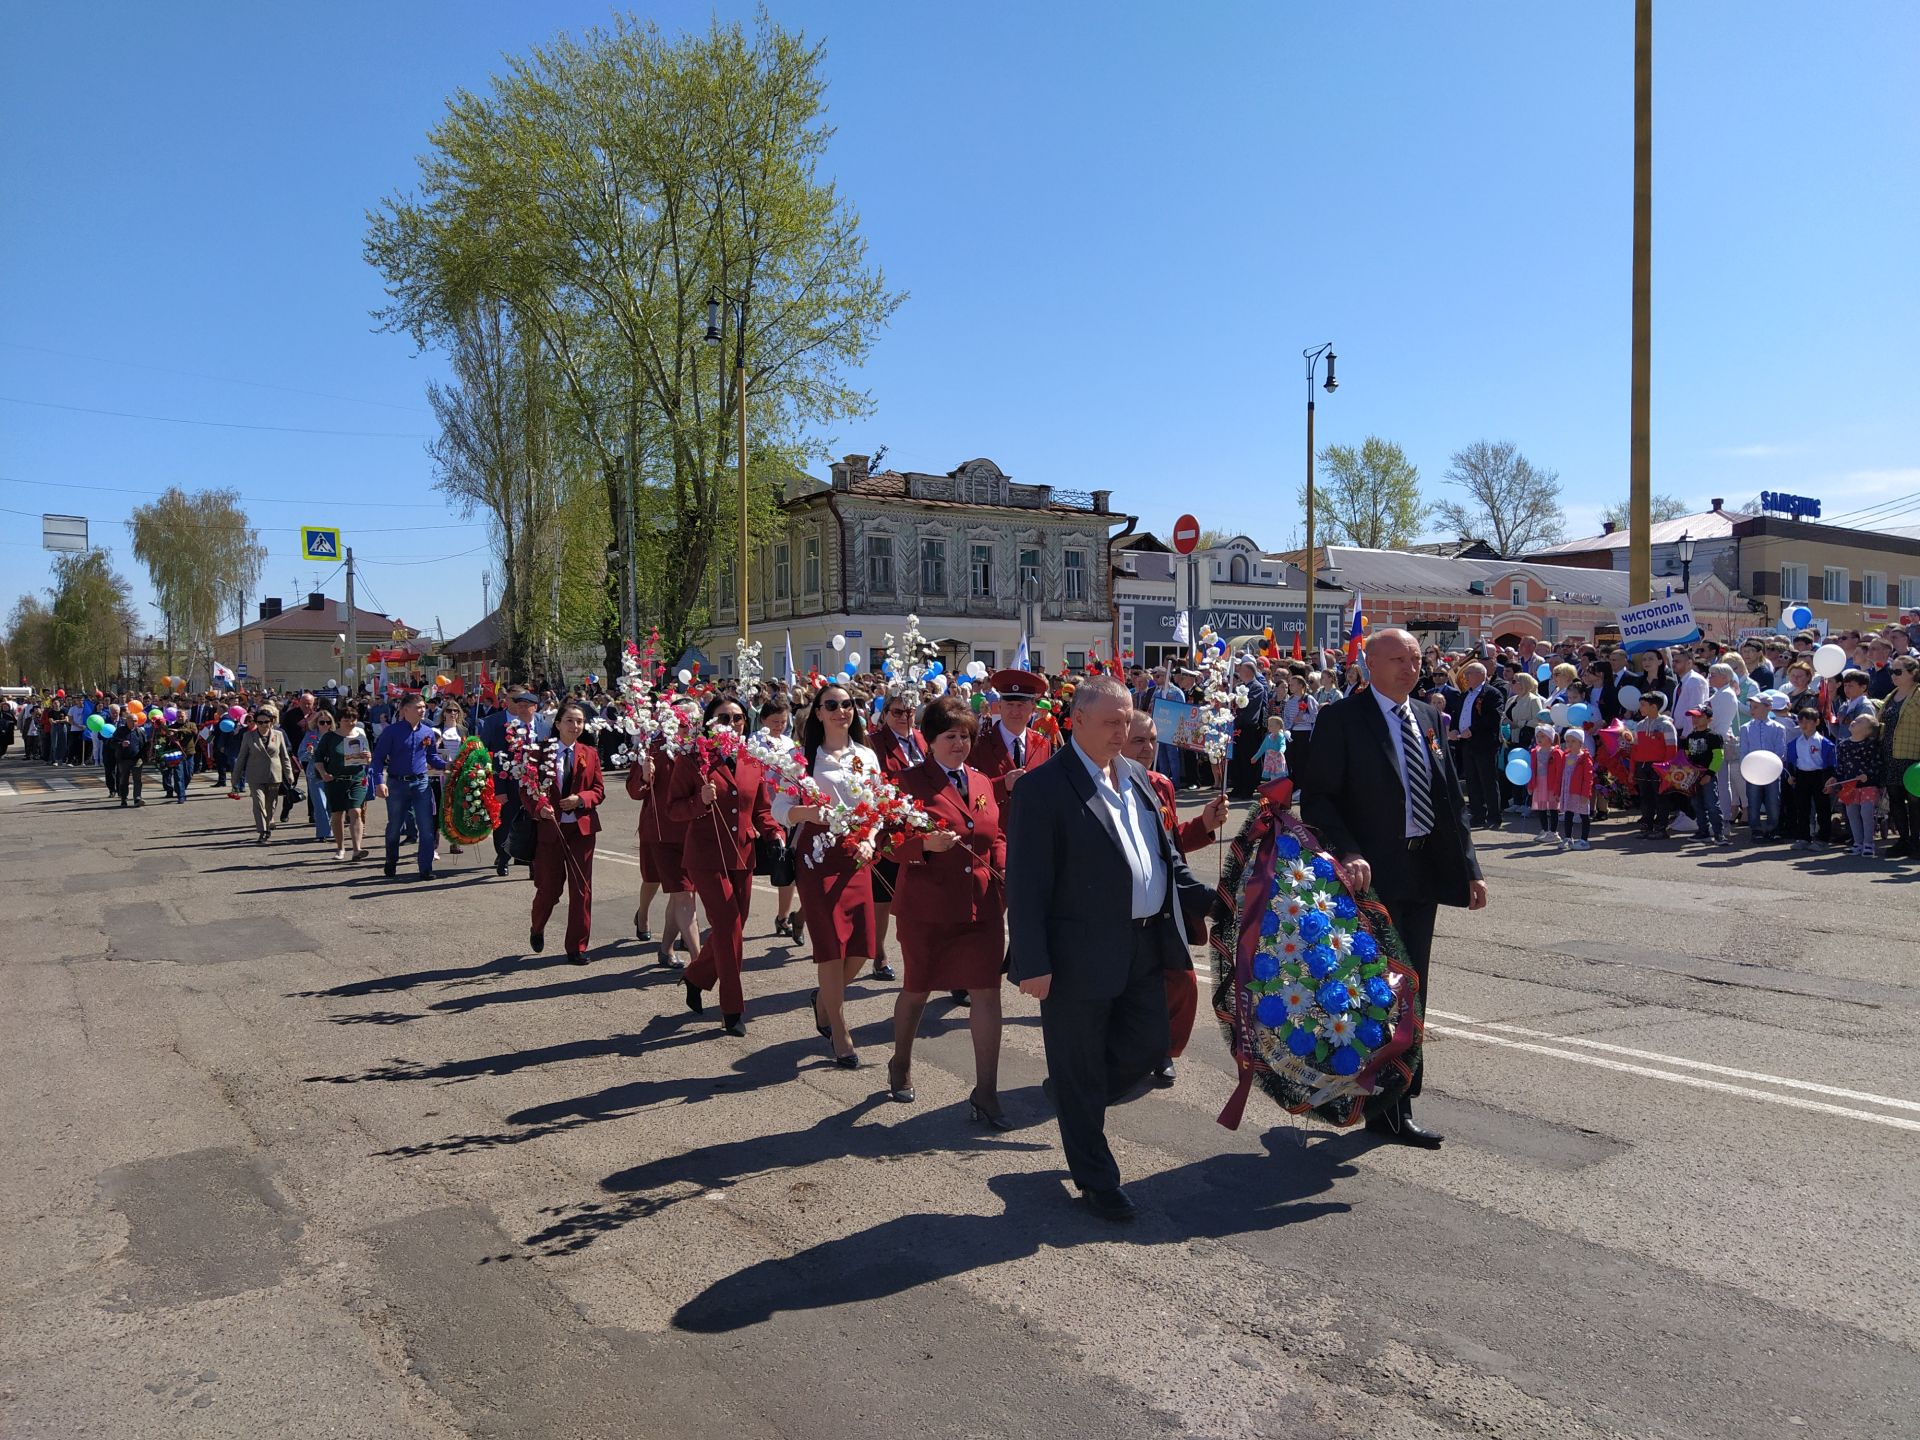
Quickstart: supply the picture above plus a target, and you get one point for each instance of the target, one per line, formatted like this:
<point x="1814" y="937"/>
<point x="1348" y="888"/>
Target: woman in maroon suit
<point x="723" y="807"/>
<point x="661" y="839"/>
<point x="567" y="817"/>
<point x="952" y="903"/>
<point x="898" y="746"/>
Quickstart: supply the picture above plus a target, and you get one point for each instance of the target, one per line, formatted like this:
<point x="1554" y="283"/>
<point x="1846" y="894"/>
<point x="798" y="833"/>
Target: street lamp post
<point x="1687" y="543"/>
<point x="1313" y="363"/>
<point x="740" y="389"/>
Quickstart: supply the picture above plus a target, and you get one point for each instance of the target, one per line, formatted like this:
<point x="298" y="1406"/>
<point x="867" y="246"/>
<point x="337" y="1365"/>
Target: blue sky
<point x="1119" y="225"/>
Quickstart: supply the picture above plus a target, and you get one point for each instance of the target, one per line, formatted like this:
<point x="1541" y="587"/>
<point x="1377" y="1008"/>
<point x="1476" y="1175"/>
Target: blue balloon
<point x="848" y="670"/>
<point x="886" y="668"/>
<point x="1519" y="770"/>
<point x="1515" y="754"/>
<point x="936" y="668"/>
<point x="1799" y="617"/>
<point x="226" y="725"/>
<point x="1545" y="672"/>
<point x="1578" y="714"/>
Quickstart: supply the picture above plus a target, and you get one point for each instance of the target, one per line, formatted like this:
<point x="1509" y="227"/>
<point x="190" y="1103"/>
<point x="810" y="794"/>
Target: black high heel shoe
<point x="899" y="1091"/>
<point x="733" y="1025"/>
<point x="818" y="1023"/>
<point x="979" y="1113"/>
<point x="695" y="1002"/>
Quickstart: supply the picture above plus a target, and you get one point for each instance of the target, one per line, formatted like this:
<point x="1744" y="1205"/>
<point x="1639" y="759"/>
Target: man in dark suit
<point x="493" y="735"/>
<point x="1382" y="793"/>
<point x="1098" y="908"/>
<point x="1476" y="726"/>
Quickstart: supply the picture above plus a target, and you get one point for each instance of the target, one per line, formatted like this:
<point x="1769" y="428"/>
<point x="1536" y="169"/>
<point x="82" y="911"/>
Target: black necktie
<point x="1019" y="751"/>
<point x="1419" y="782"/>
<point x="959" y="782"/>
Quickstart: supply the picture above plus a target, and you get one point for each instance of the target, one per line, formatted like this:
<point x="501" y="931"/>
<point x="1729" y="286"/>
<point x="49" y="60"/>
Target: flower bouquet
<point x="861" y="824"/>
<point x="1319" y="1005"/>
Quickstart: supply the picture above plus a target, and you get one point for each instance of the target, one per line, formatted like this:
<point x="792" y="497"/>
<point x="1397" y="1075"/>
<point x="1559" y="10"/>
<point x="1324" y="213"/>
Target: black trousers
<point x="1806" y="809"/>
<point x="509" y="807"/>
<point x="1098" y="1050"/>
<point x="1481" y="764"/>
<point x="1413" y="921"/>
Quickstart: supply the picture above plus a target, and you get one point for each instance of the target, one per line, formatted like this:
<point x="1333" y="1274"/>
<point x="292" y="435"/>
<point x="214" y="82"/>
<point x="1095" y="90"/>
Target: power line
<point x="218" y="379"/>
<point x="215" y="424"/>
<point x="435" y="560"/>
<point x="250" y="499"/>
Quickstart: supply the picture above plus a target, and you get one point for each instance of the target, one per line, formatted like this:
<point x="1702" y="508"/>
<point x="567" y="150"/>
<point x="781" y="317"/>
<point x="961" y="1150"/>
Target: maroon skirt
<point x="836" y="899"/>
<point x="660" y="865"/>
<point x="952" y="957"/>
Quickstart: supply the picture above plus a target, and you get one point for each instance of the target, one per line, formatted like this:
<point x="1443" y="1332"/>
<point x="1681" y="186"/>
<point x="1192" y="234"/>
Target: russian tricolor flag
<point x="1357" y="631"/>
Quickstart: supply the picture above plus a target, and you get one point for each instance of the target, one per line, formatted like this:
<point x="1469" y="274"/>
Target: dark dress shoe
<point x="882" y="970"/>
<point x="733" y="1025"/>
<point x="960" y="998"/>
<point x="424" y="875"/>
<point x="695" y="1002"/>
<point x="1163" y="1075"/>
<point x="818" y="1024"/>
<point x="1111" y="1205"/>
<point x="849" y="1061"/>
<point x="899" y="1090"/>
<point x="1398" y="1126"/>
<point x="981" y="1114"/>
<point x="536" y="940"/>
<point x="578" y="957"/>
<point x="500" y="868"/>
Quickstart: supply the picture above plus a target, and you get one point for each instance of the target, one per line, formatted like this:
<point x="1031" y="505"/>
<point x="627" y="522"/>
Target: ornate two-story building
<point x="977" y="556"/>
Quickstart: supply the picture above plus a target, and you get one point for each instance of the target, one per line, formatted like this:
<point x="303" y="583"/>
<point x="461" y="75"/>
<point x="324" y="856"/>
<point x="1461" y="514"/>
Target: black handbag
<point x="523" y="837"/>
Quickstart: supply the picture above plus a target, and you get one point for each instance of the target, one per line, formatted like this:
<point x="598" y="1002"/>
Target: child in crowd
<point x="1542" y="793"/>
<point x="1654" y="740"/>
<point x="1763" y="732"/>
<point x="1853" y="697"/>
<point x="1704" y="752"/>
<point x="1571" y="781"/>
<point x="1272" y="753"/>
<point x="1856" y="766"/>
<point x="1809" y="810"/>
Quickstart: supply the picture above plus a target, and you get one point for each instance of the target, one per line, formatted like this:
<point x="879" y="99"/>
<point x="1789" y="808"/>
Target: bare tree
<point x="1665" y="507"/>
<point x="1511" y="504"/>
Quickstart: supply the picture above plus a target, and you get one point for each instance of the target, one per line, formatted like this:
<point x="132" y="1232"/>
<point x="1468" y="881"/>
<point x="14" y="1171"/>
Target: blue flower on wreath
<point x="1333" y="997"/>
<point x="1379" y="991"/>
<point x="1269" y="923"/>
<point x="1323" y="867"/>
<point x="1265" y="967"/>
<point x="1270" y="1011"/>
<point x="1300" y="1041"/>
<point x="1288" y="847"/>
<point x="1344" y="908"/>
<point x="1321" y="962"/>
<point x="1370" y="1033"/>
<point x="1314" y="926"/>
<point x="1365" y="947"/>
<point x="1344" y="1061"/>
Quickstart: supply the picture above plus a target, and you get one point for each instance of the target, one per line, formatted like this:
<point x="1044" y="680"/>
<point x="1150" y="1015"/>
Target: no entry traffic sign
<point x="1186" y="535"/>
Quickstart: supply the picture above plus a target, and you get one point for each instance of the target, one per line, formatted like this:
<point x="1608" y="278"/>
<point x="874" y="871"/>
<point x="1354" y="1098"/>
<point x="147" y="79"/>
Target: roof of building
<point x="299" y="620"/>
<point x="1398" y="572"/>
<point x="482" y="635"/>
<point x="1706" y="525"/>
<point x="1463" y="548"/>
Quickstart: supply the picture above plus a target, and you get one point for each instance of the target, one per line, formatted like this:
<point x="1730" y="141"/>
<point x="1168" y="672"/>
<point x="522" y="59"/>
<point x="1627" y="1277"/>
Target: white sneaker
<point x="1582" y="845"/>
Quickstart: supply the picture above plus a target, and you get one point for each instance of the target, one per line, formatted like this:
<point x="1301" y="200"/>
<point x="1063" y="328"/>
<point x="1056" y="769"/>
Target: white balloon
<point x="938" y="684"/>
<point x="1629" y="698"/>
<point x="853" y="658"/>
<point x="1829" y="661"/>
<point x="686" y="677"/>
<point x="839" y="642"/>
<point x="978" y="669"/>
<point x="1559" y="713"/>
<point x="1760" y="767"/>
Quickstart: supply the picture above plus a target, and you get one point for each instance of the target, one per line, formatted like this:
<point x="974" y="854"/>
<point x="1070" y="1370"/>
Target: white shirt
<point x="1139" y="830"/>
<point x="1466" y="708"/>
<point x="1392" y="711"/>
<point x="1691" y="693"/>
<point x="1007" y="738"/>
<point x="833" y="774"/>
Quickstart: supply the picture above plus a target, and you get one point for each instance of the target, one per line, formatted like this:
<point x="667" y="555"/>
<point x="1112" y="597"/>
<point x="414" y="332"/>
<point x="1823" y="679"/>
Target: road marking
<point x="1694" y="1081"/>
<point x="60" y="782"/>
<point x="1727" y="1070"/>
<point x="6" y="788"/>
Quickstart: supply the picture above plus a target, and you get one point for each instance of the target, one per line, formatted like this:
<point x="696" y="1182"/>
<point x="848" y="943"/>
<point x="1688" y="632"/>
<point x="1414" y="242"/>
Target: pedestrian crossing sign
<point x="317" y="543"/>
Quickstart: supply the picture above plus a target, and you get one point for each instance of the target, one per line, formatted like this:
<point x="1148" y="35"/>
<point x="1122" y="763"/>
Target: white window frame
<point x="1873" y="588"/>
<point x="1827" y="572"/>
<point x="1518" y="594"/>
<point x="987" y="658"/>
<point x="1910" y="592"/>
<point x="933" y="548"/>
<point x="1037" y="569"/>
<point x="1076" y="659"/>
<point x="980" y="570"/>
<point x="1793" y="581"/>
<point x="810" y="565"/>
<point x="881" y="580"/>
<point x="1076" y="586"/>
<point x="782" y="570"/>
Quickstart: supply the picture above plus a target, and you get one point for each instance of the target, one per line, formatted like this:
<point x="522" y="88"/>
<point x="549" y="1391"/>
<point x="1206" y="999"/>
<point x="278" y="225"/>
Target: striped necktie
<point x="1413" y="756"/>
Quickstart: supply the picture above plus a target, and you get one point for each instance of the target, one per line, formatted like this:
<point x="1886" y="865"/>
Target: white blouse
<point x="831" y="774"/>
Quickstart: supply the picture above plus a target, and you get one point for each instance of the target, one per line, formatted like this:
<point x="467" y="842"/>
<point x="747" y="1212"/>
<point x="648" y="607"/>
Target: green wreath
<point x="469" y="809"/>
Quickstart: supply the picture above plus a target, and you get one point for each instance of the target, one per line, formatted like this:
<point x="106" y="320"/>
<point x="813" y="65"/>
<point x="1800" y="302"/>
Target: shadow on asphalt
<point x="1221" y="1196"/>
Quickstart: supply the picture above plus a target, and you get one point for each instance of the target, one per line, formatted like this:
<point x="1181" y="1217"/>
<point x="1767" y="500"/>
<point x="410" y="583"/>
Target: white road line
<point x="1792" y="1101"/>
<point x="1727" y="1070"/>
<point x="7" y="788"/>
<point x="60" y="782"/>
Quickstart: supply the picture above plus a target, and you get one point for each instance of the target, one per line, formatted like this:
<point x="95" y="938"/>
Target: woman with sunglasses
<point x="836" y="893"/>
<point x="722" y="801"/>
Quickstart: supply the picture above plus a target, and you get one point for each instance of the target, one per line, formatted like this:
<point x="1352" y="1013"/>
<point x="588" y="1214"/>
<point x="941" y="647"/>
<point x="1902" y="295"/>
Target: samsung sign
<point x="1799" y="507"/>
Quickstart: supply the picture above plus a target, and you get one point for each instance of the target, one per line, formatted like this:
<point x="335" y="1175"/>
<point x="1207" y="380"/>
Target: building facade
<point x="1711" y="532"/>
<point x="979" y="557"/>
<point x="304" y="648"/>
<point x="1850" y="579"/>
<point x="1234" y="588"/>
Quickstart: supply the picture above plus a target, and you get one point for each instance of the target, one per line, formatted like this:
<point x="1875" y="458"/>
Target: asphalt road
<point x="296" y="1152"/>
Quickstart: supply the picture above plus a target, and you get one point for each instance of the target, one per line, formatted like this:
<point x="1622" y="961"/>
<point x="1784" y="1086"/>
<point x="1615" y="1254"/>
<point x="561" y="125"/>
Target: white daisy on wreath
<point x="1299" y="874"/>
<point x="1323" y="902"/>
<point x="1339" y="1029"/>
<point x="1297" y="997"/>
<point x="1293" y="907"/>
<point x="1290" y="947"/>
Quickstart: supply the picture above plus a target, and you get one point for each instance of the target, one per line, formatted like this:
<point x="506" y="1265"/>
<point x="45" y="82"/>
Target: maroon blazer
<point x="1191" y="836"/>
<point x="584" y="780"/>
<point x="991" y="759"/>
<point x="720" y="835"/>
<point x="891" y="754"/>
<point x="655" y="823"/>
<point x="966" y="883"/>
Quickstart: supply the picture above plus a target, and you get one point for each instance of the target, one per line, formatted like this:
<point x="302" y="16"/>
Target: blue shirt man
<point x="404" y="753"/>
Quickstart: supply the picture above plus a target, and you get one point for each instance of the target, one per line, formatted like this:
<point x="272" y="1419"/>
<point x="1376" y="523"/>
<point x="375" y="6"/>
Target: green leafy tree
<point x="28" y="636"/>
<point x="1512" y="504"/>
<point x="90" y="620"/>
<point x="604" y="188"/>
<point x="203" y="558"/>
<point x="1368" y="497"/>
<point x="1665" y="507"/>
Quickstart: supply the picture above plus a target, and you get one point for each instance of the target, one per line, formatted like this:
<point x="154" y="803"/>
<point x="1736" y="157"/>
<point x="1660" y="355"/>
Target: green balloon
<point x="1912" y="780"/>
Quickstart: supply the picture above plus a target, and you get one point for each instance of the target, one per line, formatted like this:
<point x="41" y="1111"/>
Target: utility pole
<point x="1640" y="497"/>
<point x="353" y="629"/>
